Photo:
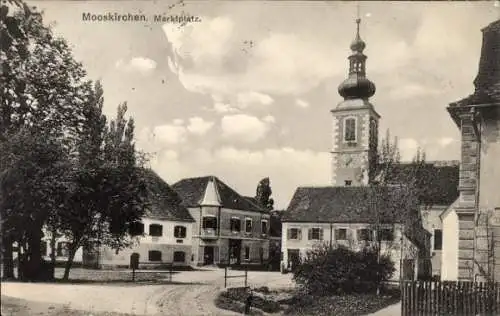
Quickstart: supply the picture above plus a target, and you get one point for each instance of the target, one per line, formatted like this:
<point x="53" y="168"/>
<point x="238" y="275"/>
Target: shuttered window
<point x="341" y="234"/>
<point x="294" y="233"/>
<point x="315" y="234"/>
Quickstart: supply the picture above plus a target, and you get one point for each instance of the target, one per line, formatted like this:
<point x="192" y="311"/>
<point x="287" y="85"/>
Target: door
<point x="208" y="255"/>
<point x="293" y="258"/>
<point x="234" y="251"/>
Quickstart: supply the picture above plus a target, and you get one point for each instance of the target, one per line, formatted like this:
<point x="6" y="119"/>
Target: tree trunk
<point x="53" y="252"/>
<point x="67" y="267"/>
<point x="7" y="258"/>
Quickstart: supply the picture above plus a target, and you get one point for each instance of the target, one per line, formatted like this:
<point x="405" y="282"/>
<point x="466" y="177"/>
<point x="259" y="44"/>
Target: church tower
<point x="355" y="124"/>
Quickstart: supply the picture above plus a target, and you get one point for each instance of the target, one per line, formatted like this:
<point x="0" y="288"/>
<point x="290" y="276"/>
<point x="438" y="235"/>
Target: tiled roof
<point x="191" y="191"/>
<point x="164" y="202"/>
<point x="437" y="181"/>
<point x="350" y="205"/>
<point x="487" y="82"/>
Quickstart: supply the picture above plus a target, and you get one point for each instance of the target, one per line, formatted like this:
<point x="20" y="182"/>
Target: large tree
<point x="41" y="93"/>
<point x="263" y="194"/>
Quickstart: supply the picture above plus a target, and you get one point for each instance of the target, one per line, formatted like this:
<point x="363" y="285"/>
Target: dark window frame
<point x="248" y="220"/>
<point x="316" y="231"/>
<point x="209" y="219"/>
<point x="438" y="241"/>
<point x="338" y="234"/>
<point x="157" y="229"/>
<point x="177" y="254"/>
<point x="247" y="253"/>
<point x="154" y="256"/>
<point x="365" y="234"/>
<point x="264" y="226"/>
<point x="180" y="231"/>
<point x="350" y="129"/>
<point x="235" y="224"/>
<point x="62" y="249"/>
<point x="296" y="230"/>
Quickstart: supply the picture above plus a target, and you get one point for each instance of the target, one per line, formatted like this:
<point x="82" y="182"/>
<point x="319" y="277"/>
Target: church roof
<point x="164" y="203"/>
<point x="350" y="205"/>
<point x="193" y="190"/>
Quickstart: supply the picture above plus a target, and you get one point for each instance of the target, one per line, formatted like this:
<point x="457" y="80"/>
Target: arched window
<point x="154" y="255"/>
<point x="155" y="230"/>
<point x="180" y="232"/>
<point x="350" y="129"/>
<point x="179" y="256"/>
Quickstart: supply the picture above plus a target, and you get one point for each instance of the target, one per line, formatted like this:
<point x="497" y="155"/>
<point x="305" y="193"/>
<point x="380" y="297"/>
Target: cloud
<point x="445" y="141"/>
<point x="408" y="148"/>
<point x="411" y="91"/>
<point x="139" y="64"/>
<point x="170" y="134"/>
<point x="243" y="127"/>
<point x="178" y="122"/>
<point x="301" y="103"/>
<point x="199" y="126"/>
<point x="269" y="119"/>
<point x="207" y="58"/>
<point x="243" y="168"/>
<point x="248" y="98"/>
<point x="220" y="107"/>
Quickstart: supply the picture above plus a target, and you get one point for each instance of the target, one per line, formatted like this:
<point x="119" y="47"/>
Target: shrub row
<point x="240" y="294"/>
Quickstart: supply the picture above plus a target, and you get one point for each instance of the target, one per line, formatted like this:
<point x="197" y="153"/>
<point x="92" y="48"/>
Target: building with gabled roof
<point x="352" y="211"/>
<point x="229" y="227"/>
<point x="472" y="223"/>
<point x="162" y="237"/>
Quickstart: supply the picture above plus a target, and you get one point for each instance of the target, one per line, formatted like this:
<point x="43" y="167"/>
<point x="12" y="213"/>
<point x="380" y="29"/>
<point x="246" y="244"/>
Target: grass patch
<point x="239" y="296"/>
<point x="224" y="302"/>
<point x="354" y="304"/>
<point x="18" y="307"/>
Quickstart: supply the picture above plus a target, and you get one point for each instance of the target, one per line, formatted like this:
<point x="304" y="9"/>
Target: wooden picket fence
<point x="449" y="298"/>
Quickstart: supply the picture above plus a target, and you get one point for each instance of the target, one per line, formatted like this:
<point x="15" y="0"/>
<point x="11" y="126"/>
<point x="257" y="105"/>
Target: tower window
<point x="348" y="183"/>
<point x="350" y="130"/>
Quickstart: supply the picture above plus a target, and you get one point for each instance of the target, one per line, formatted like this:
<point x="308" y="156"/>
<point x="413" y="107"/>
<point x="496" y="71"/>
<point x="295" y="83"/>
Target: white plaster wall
<point x="392" y="248"/>
<point x="168" y="232"/>
<point x="449" y="254"/>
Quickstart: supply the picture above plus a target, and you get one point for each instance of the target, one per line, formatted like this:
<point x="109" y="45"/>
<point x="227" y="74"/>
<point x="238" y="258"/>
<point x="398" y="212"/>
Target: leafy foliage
<point x="263" y="194"/>
<point x="340" y="270"/>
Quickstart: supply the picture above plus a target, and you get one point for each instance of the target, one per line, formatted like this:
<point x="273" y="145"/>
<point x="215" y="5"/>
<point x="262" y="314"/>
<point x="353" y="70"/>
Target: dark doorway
<point x="208" y="257"/>
<point x="134" y="260"/>
<point x="293" y="258"/>
<point x="234" y="251"/>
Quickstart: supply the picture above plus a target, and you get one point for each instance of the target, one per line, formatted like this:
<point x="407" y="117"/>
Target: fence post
<point x="225" y="276"/>
<point x="246" y="275"/>
<point x="133" y="274"/>
<point x="171" y="271"/>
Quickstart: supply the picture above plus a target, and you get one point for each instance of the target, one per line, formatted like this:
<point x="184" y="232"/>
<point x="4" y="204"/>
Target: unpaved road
<point x="193" y="299"/>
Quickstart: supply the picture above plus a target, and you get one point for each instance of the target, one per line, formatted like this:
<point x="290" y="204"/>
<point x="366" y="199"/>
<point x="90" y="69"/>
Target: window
<point x="294" y="233"/>
<point x="248" y="225"/>
<point x="179" y="256"/>
<point x="350" y="130"/>
<point x="364" y="234"/>
<point x="341" y="234"/>
<point x="247" y="252"/>
<point x="235" y="224"/>
<point x="264" y="226"/>
<point x="180" y="232"/>
<point x="136" y="228"/>
<point x="209" y="222"/>
<point x="43" y="248"/>
<point x="385" y="235"/>
<point x="62" y="249"/>
<point x="155" y="230"/>
<point x="438" y="239"/>
<point x="154" y="255"/>
<point x="315" y="234"/>
<point x="348" y="183"/>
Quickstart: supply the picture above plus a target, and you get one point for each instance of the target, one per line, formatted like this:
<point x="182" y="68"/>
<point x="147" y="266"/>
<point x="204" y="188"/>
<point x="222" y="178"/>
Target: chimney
<point x="489" y="63"/>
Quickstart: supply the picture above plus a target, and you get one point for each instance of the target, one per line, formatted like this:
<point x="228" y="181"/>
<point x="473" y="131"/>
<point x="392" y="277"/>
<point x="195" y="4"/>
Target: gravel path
<point x="169" y="299"/>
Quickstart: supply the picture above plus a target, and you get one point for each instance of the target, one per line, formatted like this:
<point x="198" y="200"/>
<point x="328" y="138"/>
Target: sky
<point x="246" y="91"/>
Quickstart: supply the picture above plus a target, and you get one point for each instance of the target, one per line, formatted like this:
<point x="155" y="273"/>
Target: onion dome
<point x="357" y="86"/>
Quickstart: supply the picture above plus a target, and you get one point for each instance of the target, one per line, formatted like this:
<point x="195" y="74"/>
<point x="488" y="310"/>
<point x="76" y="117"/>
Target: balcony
<point x="208" y="233"/>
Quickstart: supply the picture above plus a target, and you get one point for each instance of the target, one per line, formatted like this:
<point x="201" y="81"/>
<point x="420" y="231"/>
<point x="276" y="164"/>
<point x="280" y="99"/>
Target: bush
<point x="240" y="294"/>
<point x="340" y="270"/>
